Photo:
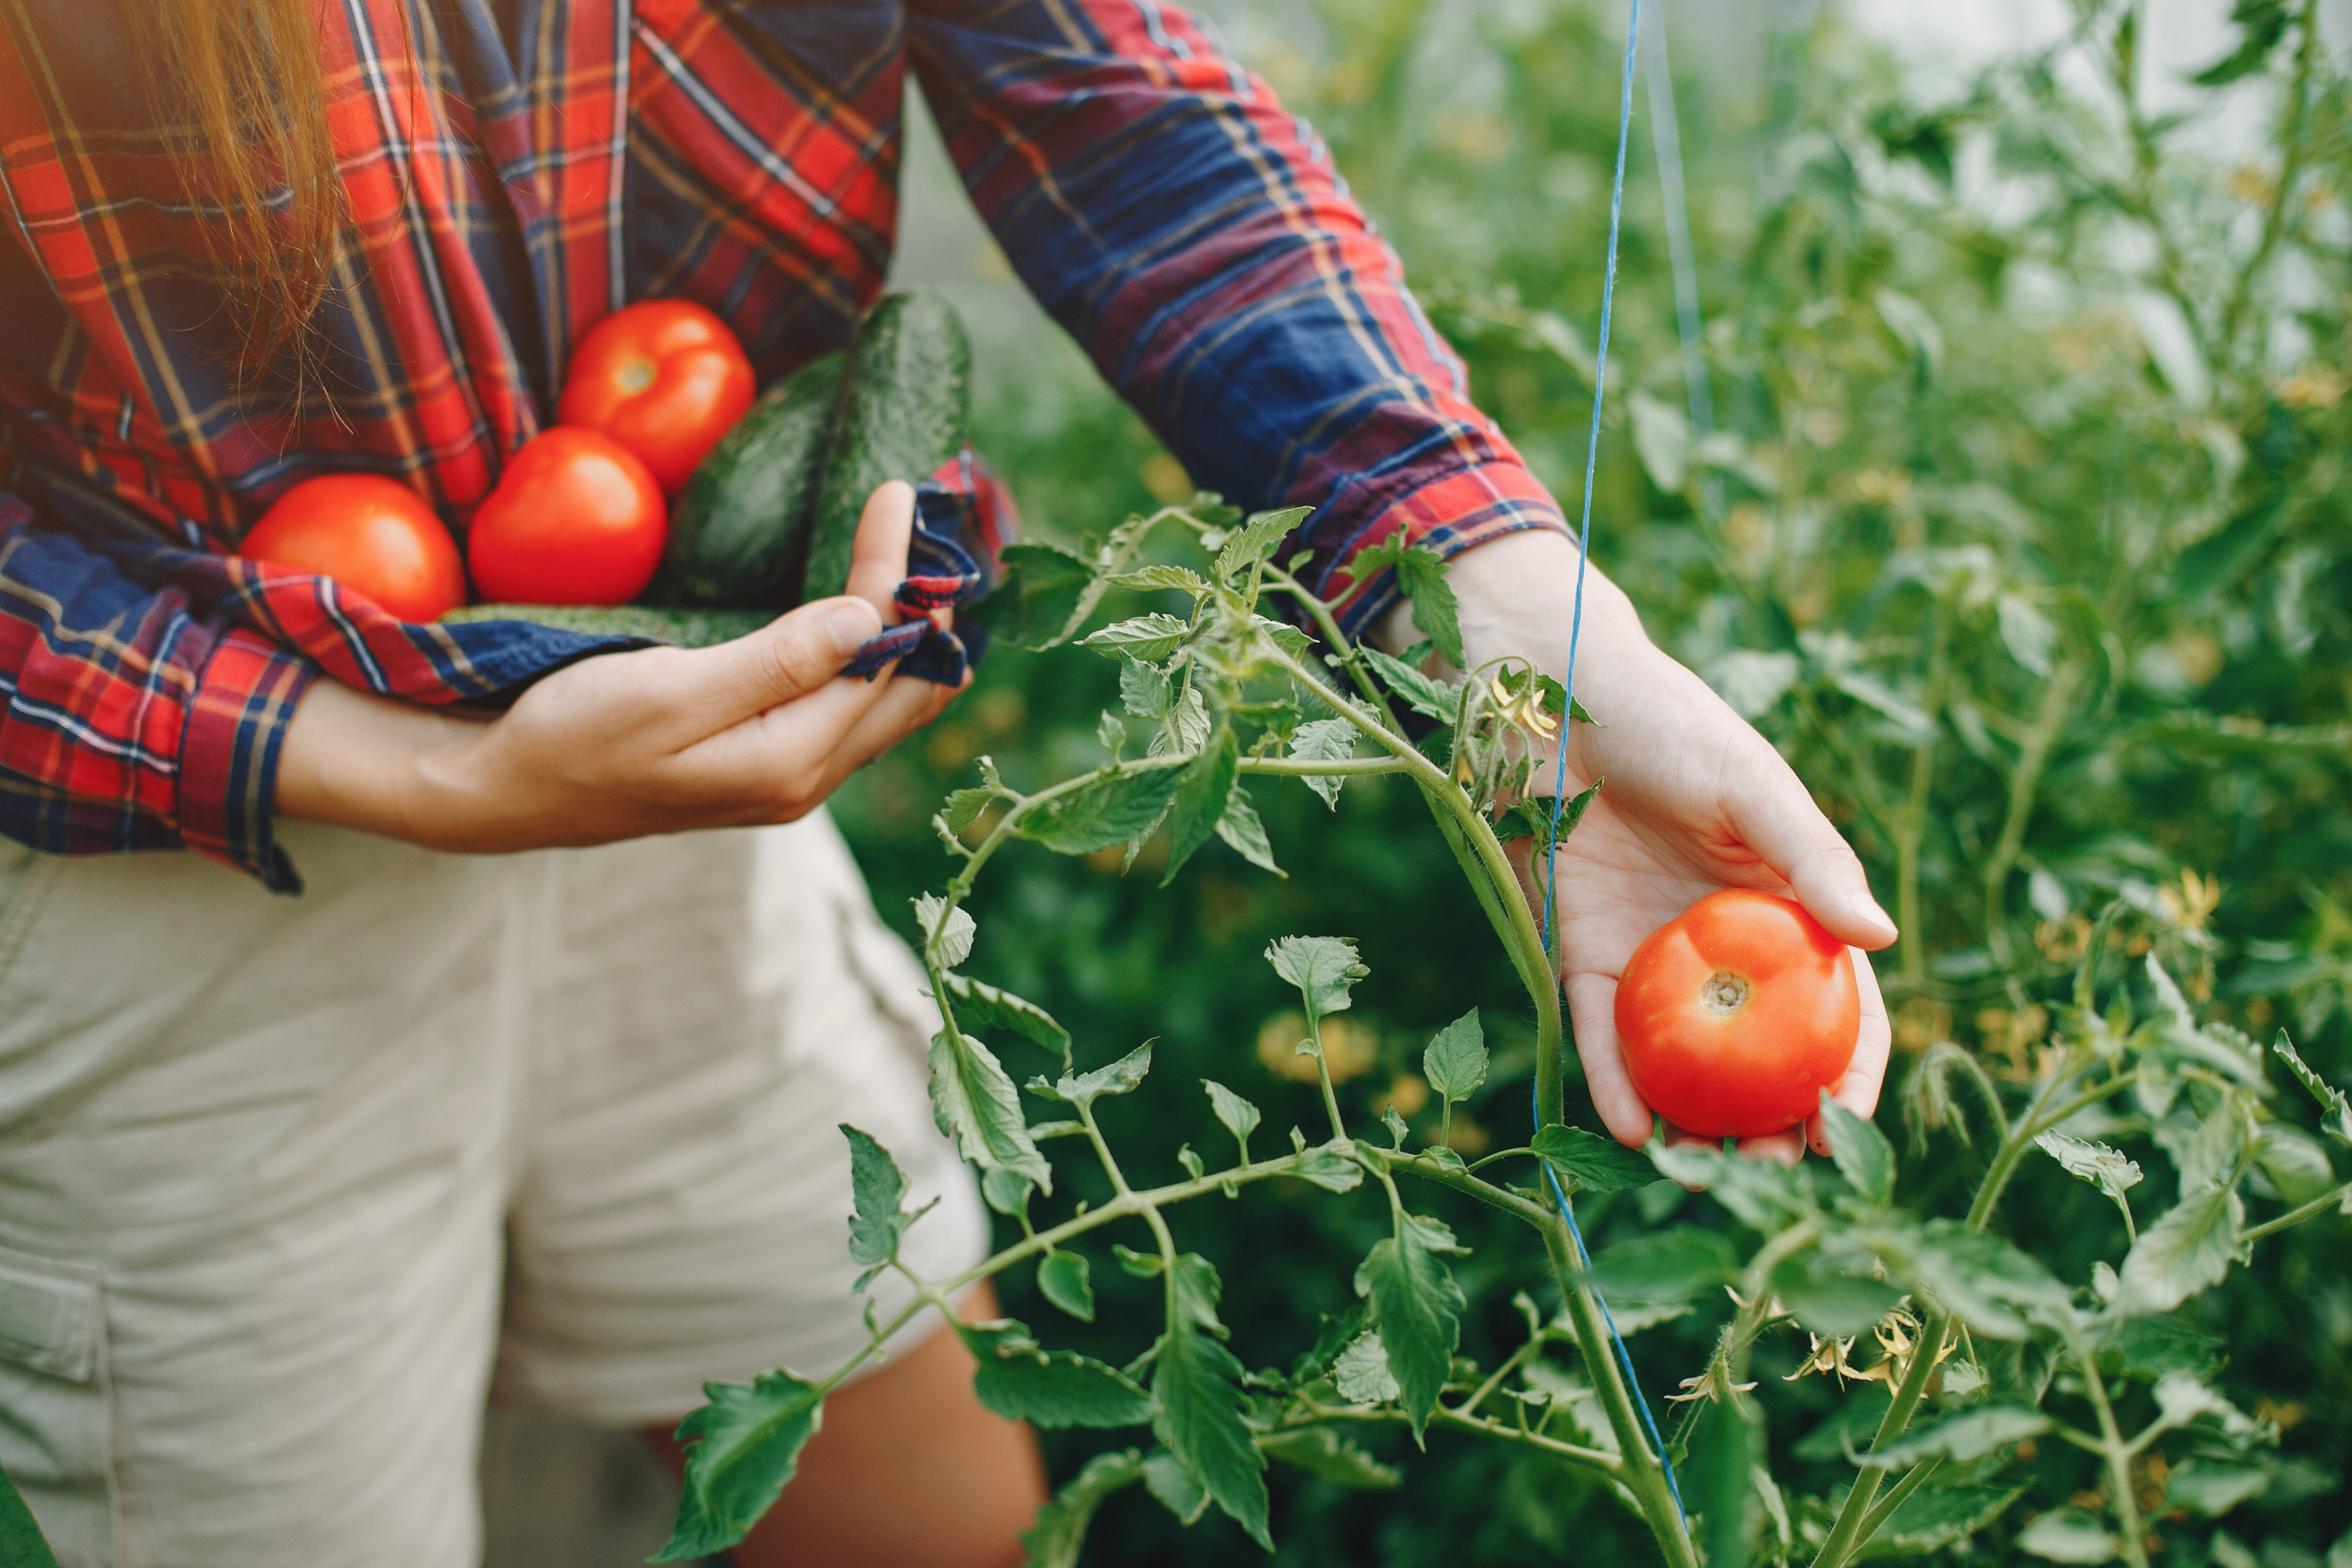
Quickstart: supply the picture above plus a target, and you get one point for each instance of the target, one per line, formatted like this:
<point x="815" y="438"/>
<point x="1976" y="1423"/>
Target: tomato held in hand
<point x="663" y="377"/>
<point x="575" y="520"/>
<point x="1733" y="1015"/>
<point x="373" y="535"/>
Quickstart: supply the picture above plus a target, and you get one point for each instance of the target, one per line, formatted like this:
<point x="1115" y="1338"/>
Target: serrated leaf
<point x="1455" y="1062"/>
<point x="1137" y="1265"/>
<point x="980" y="1006"/>
<point x="1936" y="1517"/>
<point x="2107" y="1169"/>
<point x="1322" y="1452"/>
<point x="1325" y="741"/>
<point x="1121" y="1077"/>
<point x="1196" y="1382"/>
<point x="1665" y="1266"/>
<point x="1421" y="577"/>
<point x="1417" y="1307"/>
<point x="1284" y="636"/>
<point x="1066" y="1279"/>
<point x="1435" y="699"/>
<point x="2211" y="1152"/>
<point x="1827" y="1299"/>
<point x="1107" y="812"/>
<point x="1972" y="1436"/>
<point x="743" y="1448"/>
<point x="1532" y="818"/>
<point x="1245" y="834"/>
<point x="1006" y="1192"/>
<point x="1144" y="690"/>
<point x="1759" y="1193"/>
<point x="947" y="932"/>
<point x="1362" y="1373"/>
<point x="1989" y="1284"/>
<point x="2182" y="1397"/>
<point x="2184" y="1252"/>
<point x="1109" y="733"/>
<point x="1172" y="1486"/>
<point x="1864" y="1156"/>
<point x="1021" y="1381"/>
<point x="2295" y="1161"/>
<point x="1041" y="599"/>
<point x="1239" y="1116"/>
<point x="2336" y="1108"/>
<point x="1204" y="787"/>
<point x="877" y="1189"/>
<point x="1146" y="637"/>
<point x="2068" y="1535"/>
<point x="1329" y="1169"/>
<point x="1060" y="1533"/>
<point x="1258" y="538"/>
<point x="975" y="1103"/>
<point x="1177" y="578"/>
<point x="1322" y="967"/>
<point x="963" y="807"/>
<point x="1599" y="1165"/>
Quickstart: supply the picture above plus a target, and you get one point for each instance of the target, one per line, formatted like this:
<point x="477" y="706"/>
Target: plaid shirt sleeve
<point x="1194" y="239"/>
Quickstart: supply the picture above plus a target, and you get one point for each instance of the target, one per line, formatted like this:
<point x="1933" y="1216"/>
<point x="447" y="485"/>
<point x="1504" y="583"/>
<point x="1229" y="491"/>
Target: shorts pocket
<point x="56" y="1403"/>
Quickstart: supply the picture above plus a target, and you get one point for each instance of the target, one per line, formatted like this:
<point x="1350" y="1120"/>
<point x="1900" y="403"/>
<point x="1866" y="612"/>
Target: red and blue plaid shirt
<point x="503" y="194"/>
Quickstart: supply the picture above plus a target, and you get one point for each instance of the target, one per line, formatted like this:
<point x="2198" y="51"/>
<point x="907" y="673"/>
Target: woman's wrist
<point x="355" y="759"/>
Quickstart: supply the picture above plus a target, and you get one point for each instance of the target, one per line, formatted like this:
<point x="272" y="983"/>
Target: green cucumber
<point x="739" y="533"/>
<point x="685" y="629"/>
<point x="904" y="411"/>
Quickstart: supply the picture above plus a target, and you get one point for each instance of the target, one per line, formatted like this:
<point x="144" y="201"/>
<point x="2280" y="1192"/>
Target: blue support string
<point x="1575" y="630"/>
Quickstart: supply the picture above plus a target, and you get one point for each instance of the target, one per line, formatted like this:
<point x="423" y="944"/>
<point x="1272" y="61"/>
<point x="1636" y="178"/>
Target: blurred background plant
<point x="2021" y="527"/>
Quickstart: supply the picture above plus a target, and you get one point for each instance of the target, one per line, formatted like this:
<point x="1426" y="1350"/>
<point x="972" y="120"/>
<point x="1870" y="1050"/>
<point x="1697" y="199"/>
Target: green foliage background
<point x="2026" y="541"/>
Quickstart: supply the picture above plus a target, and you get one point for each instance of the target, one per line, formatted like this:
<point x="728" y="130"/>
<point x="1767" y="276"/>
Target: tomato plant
<point x="665" y="378"/>
<point x="373" y="535"/>
<point x="1734" y="1016"/>
<point x="575" y="520"/>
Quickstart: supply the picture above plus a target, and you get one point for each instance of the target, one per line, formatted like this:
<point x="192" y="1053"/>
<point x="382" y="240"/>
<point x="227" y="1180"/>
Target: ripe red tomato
<point x="1733" y="1015"/>
<point x="575" y="520"/>
<point x="663" y="377"/>
<point x="373" y="535"/>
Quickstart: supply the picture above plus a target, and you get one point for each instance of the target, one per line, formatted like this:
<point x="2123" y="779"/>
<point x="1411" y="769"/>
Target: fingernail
<point x="849" y="623"/>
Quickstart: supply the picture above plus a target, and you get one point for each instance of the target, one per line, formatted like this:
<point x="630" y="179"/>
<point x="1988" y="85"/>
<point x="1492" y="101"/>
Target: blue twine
<point x="1575" y="630"/>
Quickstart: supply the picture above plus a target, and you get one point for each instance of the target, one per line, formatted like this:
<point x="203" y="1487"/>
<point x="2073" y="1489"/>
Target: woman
<point x="291" y="1182"/>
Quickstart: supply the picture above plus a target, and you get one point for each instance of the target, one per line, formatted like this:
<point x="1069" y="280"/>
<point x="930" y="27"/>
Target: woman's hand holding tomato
<point x="373" y="535"/>
<point x="663" y="377"/>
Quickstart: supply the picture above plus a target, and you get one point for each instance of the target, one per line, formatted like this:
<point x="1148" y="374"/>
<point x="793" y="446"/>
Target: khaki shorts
<point x="289" y="1186"/>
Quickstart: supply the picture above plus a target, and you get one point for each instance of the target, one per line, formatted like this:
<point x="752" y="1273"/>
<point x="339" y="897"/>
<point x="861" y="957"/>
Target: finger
<point x="907" y="705"/>
<point x="1769" y="808"/>
<point x="1675" y="1137"/>
<point x="1591" y="1011"/>
<point x="790" y="657"/>
<point x="1777" y="1148"/>
<point x="1858" y="1089"/>
<point x="877" y="561"/>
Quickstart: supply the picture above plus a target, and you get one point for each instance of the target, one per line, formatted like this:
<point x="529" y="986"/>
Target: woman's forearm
<point x="357" y="760"/>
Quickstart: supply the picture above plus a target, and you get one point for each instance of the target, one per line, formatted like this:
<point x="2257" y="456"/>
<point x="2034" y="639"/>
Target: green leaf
<point x="1239" y="1116"/>
<point x="2069" y="1535"/>
<point x="2294" y="1160"/>
<point x="963" y="806"/>
<point x="1329" y="1169"/>
<point x="1665" y="1266"/>
<point x="1172" y="1486"/>
<point x="1455" y="1062"/>
<point x="1110" y="734"/>
<point x="21" y="1545"/>
<point x="1144" y="690"/>
<point x="1169" y="577"/>
<point x="2107" y="1169"/>
<point x="1021" y="1381"/>
<point x="1421" y="577"/>
<point x="2184" y="1252"/>
<point x="947" y="932"/>
<point x="1599" y="1165"/>
<point x="1060" y="1533"/>
<point x="1394" y="1122"/>
<point x="2262" y="24"/>
<point x="1864" y="1156"/>
<point x="1417" y="1309"/>
<point x="1322" y="967"/>
<point x="1829" y="1299"/>
<point x="1063" y="1279"/>
<point x="1196" y="1382"/>
<point x="745" y="1446"/>
<point x="1320" y="1451"/>
<point x="2213" y="1487"/>
<point x="1147" y="637"/>
<point x="1203" y="789"/>
<point x="1333" y="1333"/>
<point x="1759" y="1193"/>
<point x="1362" y="1373"/>
<point x="1284" y="636"/>
<point x="2336" y="1110"/>
<point x="1121" y="1077"/>
<point x="1258" y="538"/>
<point x="1960" y="1437"/>
<point x="1436" y="699"/>
<point x="1936" y="1517"/>
<point x="1245" y="834"/>
<point x="1111" y="810"/>
<point x="1983" y="1278"/>
<point x="1006" y="1192"/>
<point x="878" y="1189"/>
<point x="984" y="1007"/>
<point x="975" y="1103"/>
<point x="1038" y="603"/>
<point x="1532" y="818"/>
<point x="1325" y="741"/>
